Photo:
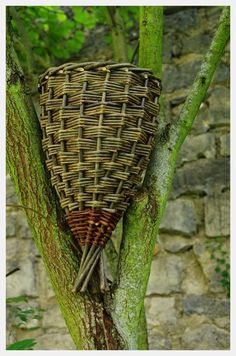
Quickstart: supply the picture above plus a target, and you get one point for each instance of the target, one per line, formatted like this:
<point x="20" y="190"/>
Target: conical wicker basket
<point x="98" y="122"/>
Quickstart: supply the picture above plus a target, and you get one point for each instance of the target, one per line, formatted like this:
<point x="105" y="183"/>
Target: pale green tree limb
<point x="88" y="322"/>
<point x="142" y="220"/>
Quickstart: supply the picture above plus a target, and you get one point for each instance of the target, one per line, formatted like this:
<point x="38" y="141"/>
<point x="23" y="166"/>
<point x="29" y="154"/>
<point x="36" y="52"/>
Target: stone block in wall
<point x="23" y="229"/>
<point x="175" y="243"/>
<point x="194" y="281"/>
<point x="179" y="217"/>
<point x="185" y="19"/>
<point x="222" y="74"/>
<point x="12" y="248"/>
<point x="158" y="340"/>
<point x="217" y="214"/>
<point x="202" y="304"/>
<point x="60" y="340"/>
<point x="203" y="255"/>
<point x="11" y="197"/>
<point x="11" y="219"/>
<point x="166" y="274"/>
<point x="206" y="337"/>
<point x="201" y="124"/>
<point x="180" y="75"/>
<point x="53" y="317"/>
<point x="219" y="107"/>
<point x="160" y="310"/>
<point x="16" y="250"/>
<point x="28" y="248"/>
<point x="197" y="43"/>
<point x="195" y="147"/>
<point x="223" y="322"/>
<point x="225" y="145"/>
<point x="197" y="177"/>
<point x="22" y="282"/>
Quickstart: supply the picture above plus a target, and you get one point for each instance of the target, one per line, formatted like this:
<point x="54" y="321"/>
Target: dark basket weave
<point x="98" y="122"/>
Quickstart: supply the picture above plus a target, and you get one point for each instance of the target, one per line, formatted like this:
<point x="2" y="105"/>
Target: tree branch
<point x="170" y="138"/>
<point x="139" y="222"/>
<point x="183" y="124"/>
<point x="88" y="322"/>
<point x="117" y="27"/>
<point x="151" y="44"/>
<point x="142" y="220"/>
<point x="151" y="38"/>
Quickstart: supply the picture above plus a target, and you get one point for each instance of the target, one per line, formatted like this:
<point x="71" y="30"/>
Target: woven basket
<point x="98" y="122"/>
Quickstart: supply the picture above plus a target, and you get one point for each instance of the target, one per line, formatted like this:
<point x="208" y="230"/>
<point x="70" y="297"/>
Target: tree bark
<point x="116" y="320"/>
<point x="88" y="322"/>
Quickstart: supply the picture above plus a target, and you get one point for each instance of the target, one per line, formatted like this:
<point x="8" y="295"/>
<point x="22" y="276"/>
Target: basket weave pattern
<point x="98" y="122"/>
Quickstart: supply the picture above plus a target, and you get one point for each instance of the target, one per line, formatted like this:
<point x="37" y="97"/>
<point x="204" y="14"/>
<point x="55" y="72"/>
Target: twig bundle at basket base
<point x="98" y="122"/>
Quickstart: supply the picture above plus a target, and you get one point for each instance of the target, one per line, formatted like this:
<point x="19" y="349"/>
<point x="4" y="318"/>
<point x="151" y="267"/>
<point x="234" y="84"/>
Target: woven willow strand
<point x="98" y="122"/>
<point x="100" y="118"/>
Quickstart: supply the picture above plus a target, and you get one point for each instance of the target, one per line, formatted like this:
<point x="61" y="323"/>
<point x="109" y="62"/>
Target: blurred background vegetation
<point x="48" y="36"/>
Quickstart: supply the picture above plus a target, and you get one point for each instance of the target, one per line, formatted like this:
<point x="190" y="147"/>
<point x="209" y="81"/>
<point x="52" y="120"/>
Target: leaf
<point x="38" y="317"/>
<point x="21" y="298"/>
<point x="26" y="344"/>
<point x="22" y="317"/>
<point x="225" y="274"/>
<point x="73" y="45"/>
<point x="222" y="261"/>
<point x="41" y="309"/>
<point x="61" y="16"/>
<point x="33" y="328"/>
<point x="82" y="16"/>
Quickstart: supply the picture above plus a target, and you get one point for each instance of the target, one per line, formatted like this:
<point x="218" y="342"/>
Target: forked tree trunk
<point x="116" y="320"/>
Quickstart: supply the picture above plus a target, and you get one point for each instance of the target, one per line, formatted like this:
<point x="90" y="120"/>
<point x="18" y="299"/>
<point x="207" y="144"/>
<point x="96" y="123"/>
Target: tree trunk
<point x="114" y="321"/>
<point x="88" y="322"/>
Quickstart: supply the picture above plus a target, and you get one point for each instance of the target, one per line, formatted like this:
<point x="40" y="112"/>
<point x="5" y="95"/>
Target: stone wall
<point x="186" y="304"/>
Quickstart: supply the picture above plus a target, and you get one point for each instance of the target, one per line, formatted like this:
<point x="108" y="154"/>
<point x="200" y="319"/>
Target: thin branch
<point x="135" y="52"/>
<point x="117" y="27"/>
<point x="151" y="38"/>
<point x="151" y="44"/>
<point x="159" y="176"/>
<point x="13" y="271"/>
<point x="142" y="220"/>
<point x="139" y="231"/>
<point x="19" y="206"/>
<point x="183" y="124"/>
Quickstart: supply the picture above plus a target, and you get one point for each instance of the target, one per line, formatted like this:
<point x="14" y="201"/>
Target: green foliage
<point x="22" y="315"/>
<point x="220" y="256"/>
<point x="54" y="34"/>
<point x="130" y="15"/>
<point x="21" y="298"/>
<point x="26" y="344"/>
<point x="50" y="35"/>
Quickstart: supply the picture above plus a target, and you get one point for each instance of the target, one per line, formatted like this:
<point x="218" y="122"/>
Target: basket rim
<point x="98" y="66"/>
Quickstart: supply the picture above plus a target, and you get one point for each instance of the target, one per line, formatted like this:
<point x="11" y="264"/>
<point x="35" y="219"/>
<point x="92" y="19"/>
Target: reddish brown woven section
<point x="92" y="226"/>
<point x="98" y="122"/>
